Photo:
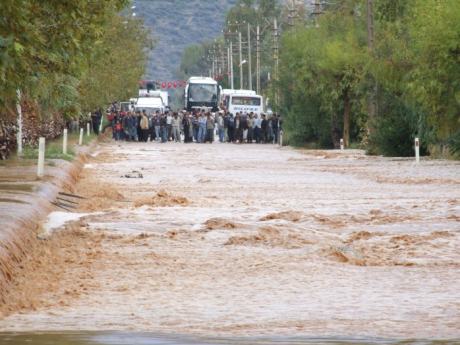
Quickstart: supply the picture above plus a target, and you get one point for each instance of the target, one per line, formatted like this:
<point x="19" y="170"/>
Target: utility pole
<point x="275" y="49"/>
<point x="213" y="73"/>
<point x="241" y="60"/>
<point x="231" y="67"/>
<point x="292" y="13"/>
<point x="228" y="63"/>
<point x="249" y="57"/>
<point x="372" y="106"/>
<point x="258" y="60"/>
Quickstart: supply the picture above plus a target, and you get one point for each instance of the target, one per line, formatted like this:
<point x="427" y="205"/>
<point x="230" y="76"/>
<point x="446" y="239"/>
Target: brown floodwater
<point x="243" y="241"/>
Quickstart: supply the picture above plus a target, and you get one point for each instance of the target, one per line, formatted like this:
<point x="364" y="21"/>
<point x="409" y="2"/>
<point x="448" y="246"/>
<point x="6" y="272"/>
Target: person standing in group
<point x="133" y="126"/>
<point x="169" y="119"/>
<point x="250" y="128"/>
<point x="238" y="133"/>
<point x="96" y="117"/>
<point x="175" y="124"/>
<point x="157" y="125"/>
<point x="163" y="128"/>
<point x="188" y="128"/>
<point x="118" y="129"/>
<point x="264" y="129"/>
<point x="275" y="128"/>
<point x="257" y="128"/>
<point x="144" y="124"/>
<point x="202" y="128"/>
<point x="220" y="127"/>
<point x="269" y="129"/>
<point x="244" y="127"/>
<point x="225" y="126"/>
<point x="231" y="128"/>
<point x="196" y="127"/>
<point x="210" y="124"/>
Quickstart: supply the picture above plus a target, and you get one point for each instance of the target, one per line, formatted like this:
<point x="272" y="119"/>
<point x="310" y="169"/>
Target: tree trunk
<point x="346" y="119"/>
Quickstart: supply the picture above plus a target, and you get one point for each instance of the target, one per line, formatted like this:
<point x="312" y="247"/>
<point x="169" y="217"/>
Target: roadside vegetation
<point x="333" y="84"/>
<point x="66" y="59"/>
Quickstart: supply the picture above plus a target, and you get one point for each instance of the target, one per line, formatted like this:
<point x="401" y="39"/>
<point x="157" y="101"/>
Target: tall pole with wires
<point x="249" y="57"/>
<point x="276" y="57"/>
<point x="372" y="106"/>
<point x="232" y="84"/>
<point x="258" y="60"/>
<point x="241" y="59"/>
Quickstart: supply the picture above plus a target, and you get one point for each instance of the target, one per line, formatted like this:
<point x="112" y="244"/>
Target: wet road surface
<point x="250" y="240"/>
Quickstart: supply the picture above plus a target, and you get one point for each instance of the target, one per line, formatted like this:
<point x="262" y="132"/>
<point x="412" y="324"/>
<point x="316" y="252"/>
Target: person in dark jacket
<point x="264" y="128"/>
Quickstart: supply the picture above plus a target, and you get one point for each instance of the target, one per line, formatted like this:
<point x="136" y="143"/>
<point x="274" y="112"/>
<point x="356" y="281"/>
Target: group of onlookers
<point x="198" y="126"/>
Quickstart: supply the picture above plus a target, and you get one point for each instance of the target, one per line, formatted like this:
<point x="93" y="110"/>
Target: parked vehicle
<point x="202" y="92"/>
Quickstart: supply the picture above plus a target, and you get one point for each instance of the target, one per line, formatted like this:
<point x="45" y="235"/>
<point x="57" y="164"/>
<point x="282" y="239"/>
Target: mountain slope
<point x="177" y="24"/>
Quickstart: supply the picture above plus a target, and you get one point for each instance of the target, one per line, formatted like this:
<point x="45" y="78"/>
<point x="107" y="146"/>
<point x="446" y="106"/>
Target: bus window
<point x="239" y="100"/>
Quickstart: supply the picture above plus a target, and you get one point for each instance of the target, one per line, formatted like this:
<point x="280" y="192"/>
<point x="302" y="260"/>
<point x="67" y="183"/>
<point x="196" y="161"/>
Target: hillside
<point x="175" y="25"/>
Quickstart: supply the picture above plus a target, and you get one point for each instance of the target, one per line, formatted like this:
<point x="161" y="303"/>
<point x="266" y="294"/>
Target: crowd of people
<point x="198" y="126"/>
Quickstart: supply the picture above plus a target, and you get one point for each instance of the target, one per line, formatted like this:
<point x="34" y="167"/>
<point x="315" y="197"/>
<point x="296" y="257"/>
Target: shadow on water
<point x="122" y="338"/>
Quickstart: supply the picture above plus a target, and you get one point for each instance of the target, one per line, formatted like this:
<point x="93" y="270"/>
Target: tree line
<point x="333" y="84"/>
<point x="68" y="57"/>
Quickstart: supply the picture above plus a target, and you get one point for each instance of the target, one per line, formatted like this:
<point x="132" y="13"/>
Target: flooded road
<point x="247" y="241"/>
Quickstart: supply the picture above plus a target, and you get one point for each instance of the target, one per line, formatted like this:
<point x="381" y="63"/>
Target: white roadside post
<point x="41" y="157"/>
<point x="417" y="150"/>
<point x="100" y="127"/>
<point x="87" y="129"/>
<point x="342" y="145"/>
<point x="281" y="138"/>
<point x="64" y="142"/>
<point x="80" y="140"/>
<point x="19" y="134"/>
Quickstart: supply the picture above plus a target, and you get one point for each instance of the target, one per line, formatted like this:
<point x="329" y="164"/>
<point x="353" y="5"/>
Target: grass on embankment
<point x="53" y="148"/>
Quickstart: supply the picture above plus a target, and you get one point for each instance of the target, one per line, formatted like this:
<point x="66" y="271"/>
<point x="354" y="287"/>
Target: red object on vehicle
<point x="163" y="85"/>
<point x="175" y="84"/>
<point x="169" y="85"/>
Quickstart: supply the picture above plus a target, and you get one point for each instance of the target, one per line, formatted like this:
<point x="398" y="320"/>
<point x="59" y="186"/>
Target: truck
<point x="150" y="104"/>
<point x="154" y="93"/>
<point x="202" y="92"/>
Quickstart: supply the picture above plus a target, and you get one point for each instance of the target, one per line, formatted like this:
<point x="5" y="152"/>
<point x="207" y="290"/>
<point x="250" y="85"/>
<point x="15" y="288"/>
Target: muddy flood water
<point x="246" y="244"/>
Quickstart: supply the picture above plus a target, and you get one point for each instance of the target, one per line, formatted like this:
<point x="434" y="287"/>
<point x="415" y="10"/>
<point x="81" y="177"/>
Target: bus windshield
<point x="241" y="100"/>
<point x="203" y="93"/>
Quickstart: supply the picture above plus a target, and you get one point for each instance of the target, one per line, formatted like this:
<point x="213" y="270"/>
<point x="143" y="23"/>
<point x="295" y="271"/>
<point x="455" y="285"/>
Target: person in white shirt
<point x="257" y="128"/>
<point x="169" y="119"/>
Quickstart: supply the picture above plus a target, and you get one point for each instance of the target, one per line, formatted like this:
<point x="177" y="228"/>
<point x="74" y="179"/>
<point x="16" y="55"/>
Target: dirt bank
<point x="25" y="201"/>
<point x="254" y="240"/>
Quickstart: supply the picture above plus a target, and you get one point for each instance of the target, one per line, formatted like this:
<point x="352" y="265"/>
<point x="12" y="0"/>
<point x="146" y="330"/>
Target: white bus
<point x="225" y="95"/>
<point x="238" y="103"/>
<point x="201" y="92"/>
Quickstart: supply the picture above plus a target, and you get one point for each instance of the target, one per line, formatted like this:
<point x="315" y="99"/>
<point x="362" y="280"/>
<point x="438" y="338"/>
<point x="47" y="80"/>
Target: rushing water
<point x="241" y="240"/>
<point x="121" y="338"/>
